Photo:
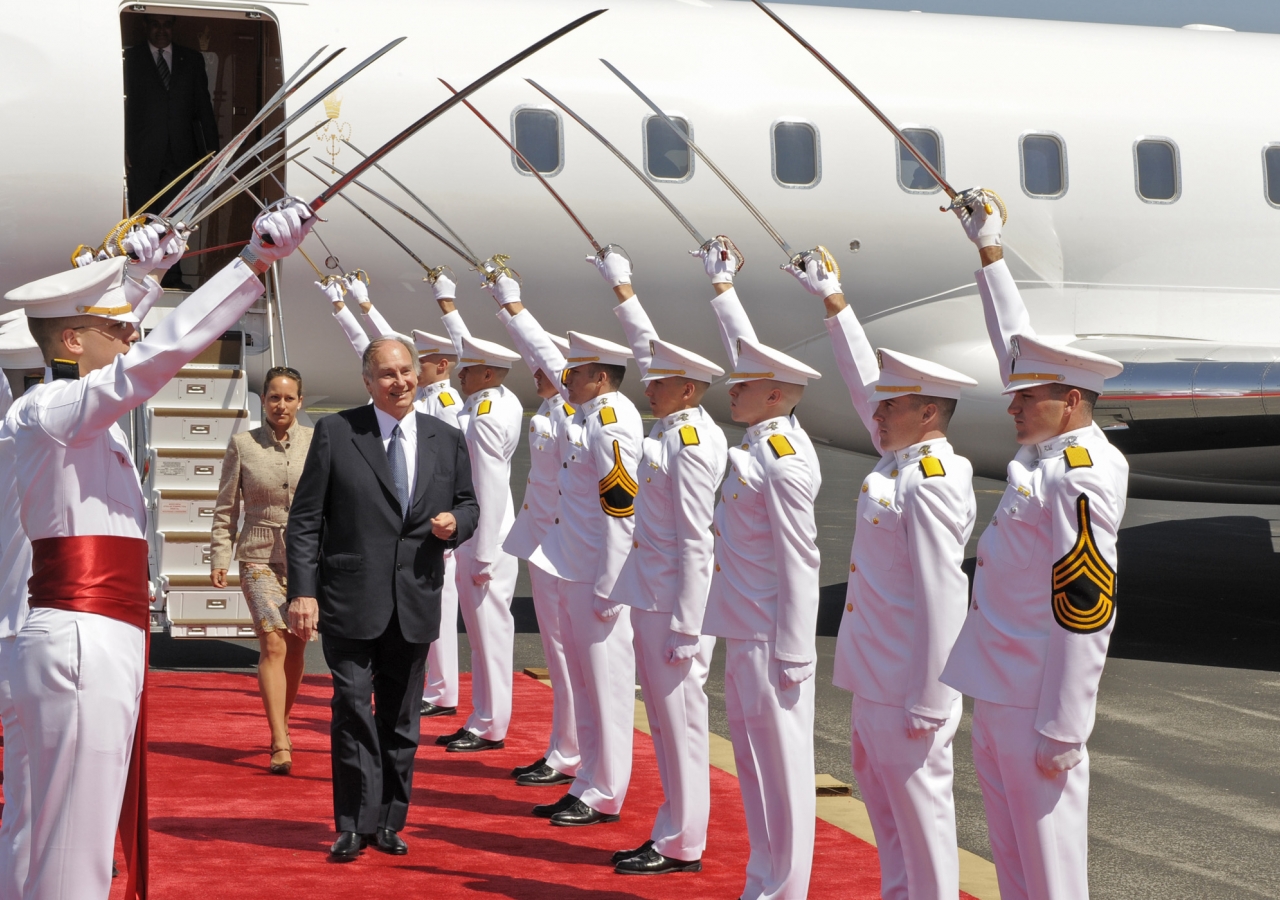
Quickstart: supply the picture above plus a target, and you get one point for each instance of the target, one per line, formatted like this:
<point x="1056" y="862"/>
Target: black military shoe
<point x="473" y="743"/>
<point x="627" y="854"/>
<point x="390" y="842"/>
<point x="543" y="776"/>
<point x="547" y="810"/>
<point x="651" y="862"/>
<point x="445" y="740"/>
<point x="430" y="710"/>
<point x="348" y="846"/>
<point x="581" y="814"/>
<point x="525" y="770"/>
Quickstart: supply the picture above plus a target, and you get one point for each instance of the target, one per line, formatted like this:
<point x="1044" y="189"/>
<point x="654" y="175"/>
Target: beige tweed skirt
<point x="265" y="589"/>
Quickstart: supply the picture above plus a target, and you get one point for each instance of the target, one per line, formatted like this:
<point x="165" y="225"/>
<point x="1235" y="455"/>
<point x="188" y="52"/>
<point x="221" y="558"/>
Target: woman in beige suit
<point x="260" y="473"/>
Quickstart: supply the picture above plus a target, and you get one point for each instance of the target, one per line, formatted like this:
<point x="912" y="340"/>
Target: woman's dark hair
<point x="281" y="372"/>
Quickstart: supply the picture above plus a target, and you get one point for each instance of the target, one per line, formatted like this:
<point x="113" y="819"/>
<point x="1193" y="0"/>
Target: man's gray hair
<point x="366" y="361"/>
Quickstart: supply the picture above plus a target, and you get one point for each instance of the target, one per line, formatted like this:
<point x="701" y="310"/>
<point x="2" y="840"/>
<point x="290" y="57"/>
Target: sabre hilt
<point x="613" y="248"/>
<point x="495" y="266"/>
<point x="358" y="274"/>
<point x="328" y="280"/>
<point x="987" y="198"/>
<point x="820" y="253"/>
<point x="434" y="273"/>
<point x="727" y="248"/>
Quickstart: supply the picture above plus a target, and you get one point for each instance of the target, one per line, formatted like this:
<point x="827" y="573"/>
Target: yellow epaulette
<point x="688" y="436"/>
<point x="780" y="446"/>
<point x="608" y="416"/>
<point x="1077" y="457"/>
<point x="484" y="407"/>
<point x="568" y="410"/>
<point x="931" y="466"/>
<point x="446" y="399"/>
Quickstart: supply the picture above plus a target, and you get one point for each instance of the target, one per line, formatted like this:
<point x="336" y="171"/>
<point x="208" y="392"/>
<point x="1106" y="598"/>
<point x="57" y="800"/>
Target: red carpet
<point x="222" y="827"/>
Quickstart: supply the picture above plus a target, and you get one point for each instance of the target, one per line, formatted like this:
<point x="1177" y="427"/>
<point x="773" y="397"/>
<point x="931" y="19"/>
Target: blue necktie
<point x="399" y="471"/>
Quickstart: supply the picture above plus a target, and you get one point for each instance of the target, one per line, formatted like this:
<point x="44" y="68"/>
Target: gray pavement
<point x="1185" y="766"/>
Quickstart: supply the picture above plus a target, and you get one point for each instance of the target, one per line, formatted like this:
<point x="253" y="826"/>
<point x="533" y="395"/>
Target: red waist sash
<point x="95" y="573"/>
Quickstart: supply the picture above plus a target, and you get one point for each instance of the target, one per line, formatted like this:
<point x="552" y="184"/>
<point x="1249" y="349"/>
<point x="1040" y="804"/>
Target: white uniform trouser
<point x="491" y="631"/>
<point x="562" y="748"/>
<point x="15" y="828"/>
<point x="906" y="785"/>
<point x="602" y="675"/>
<point x="677" y="707"/>
<point x="77" y="683"/>
<point x="772" y="733"/>
<point x="442" y="657"/>
<point x="1039" y="825"/>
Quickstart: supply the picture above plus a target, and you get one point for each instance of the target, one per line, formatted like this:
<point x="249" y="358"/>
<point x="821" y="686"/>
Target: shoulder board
<point x="484" y="407"/>
<point x="931" y="466"/>
<point x="1077" y="457"/>
<point x="688" y="436"/>
<point x="780" y="446"/>
<point x="568" y="410"/>
<point x="446" y="399"/>
<point x="608" y="416"/>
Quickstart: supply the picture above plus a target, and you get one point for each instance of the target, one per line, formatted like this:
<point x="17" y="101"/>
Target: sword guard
<point x="435" y="272"/>
<point x="727" y="248"/>
<point x="613" y="248"/>
<point x="330" y="262"/>
<point x="496" y="265"/>
<point x="327" y="280"/>
<point x="359" y="274"/>
<point x="989" y="199"/>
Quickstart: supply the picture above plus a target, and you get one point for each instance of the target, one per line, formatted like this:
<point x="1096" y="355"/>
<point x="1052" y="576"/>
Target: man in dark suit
<point x="168" y="117"/>
<point x="384" y="491"/>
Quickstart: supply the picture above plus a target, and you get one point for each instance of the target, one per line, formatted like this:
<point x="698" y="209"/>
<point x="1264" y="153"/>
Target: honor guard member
<point x="83" y="509"/>
<point x="492" y="419"/>
<point x="1034" y="642"/>
<point x="906" y="599"/>
<point x="764" y="596"/>
<point x="585" y="548"/>
<point x="666" y="578"/>
<point x="21" y="360"/>
<point x="335" y="288"/>
<point x="534" y="519"/>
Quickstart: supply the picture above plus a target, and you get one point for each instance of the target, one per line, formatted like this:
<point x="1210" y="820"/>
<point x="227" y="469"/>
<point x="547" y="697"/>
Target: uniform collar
<point x="683" y="417"/>
<point x="486" y="394"/>
<point x="594" y="404"/>
<point x="1055" y="445"/>
<point x="762" y="431"/>
<point x="430" y="390"/>
<point x="908" y="455"/>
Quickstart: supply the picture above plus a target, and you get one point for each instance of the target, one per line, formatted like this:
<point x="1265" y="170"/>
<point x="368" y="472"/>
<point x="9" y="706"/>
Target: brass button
<point x="893" y="474"/>
<point x="531" y="429"/>
<point x="744" y="446"/>
<point x="979" y="560"/>
<point x="635" y="543"/>
<point x="526" y="506"/>
<point x="853" y="567"/>
<point x="848" y="607"/>
<point x="659" y="434"/>
<point x="717" y="567"/>
<point x="557" y="521"/>
<point x="875" y="521"/>
<point x="735" y="496"/>
<point x="648" y="481"/>
<point x="864" y="489"/>
<point x="566" y="465"/>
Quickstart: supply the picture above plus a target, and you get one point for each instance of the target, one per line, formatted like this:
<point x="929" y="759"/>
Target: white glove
<point x="791" y="674"/>
<point x="613" y="267"/>
<point x="1053" y="757"/>
<point x="982" y="229"/>
<point x="504" y="289"/>
<point x="444" y="288"/>
<point x="681" y="647"/>
<point x="605" y="609"/>
<point x="332" y="290"/>
<point x="172" y="249"/>
<point x="142" y="243"/>
<point x="359" y="290"/>
<point x="815" y="277"/>
<point x="720" y="270"/>
<point x="480" y="579"/>
<point x="284" y="227"/>
<point x="922" y="726"/>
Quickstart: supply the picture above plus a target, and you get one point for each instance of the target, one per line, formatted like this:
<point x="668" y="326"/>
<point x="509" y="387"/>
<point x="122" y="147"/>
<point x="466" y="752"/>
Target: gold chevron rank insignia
<point x="1084" y="584"/>
<point x="931" y="466"/>
<point x="484" y="407"/>
<point x="608" y="416"/>
<point x="1077" y="457"/>
<point x="688" y="436"/>
<point x="618" y="489"/>
<point x="780" y="446"/>
<point x="446" y="399"/>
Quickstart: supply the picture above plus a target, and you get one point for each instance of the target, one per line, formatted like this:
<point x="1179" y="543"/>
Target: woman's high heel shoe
<point x="281" y="768"/>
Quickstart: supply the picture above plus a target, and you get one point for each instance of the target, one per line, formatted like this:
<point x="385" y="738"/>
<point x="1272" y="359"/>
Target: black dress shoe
<point x="547" y="810"/>
<point x="473" y="743"/>
<point x="627" y="854"/>
<point x="445" y="740"/>
<point x="390" y="842"/>
<point x="525" y="770"/>
<point x="651" y="862"/>
<point x="348" y="846"/>
<point x="544" y="776"/>
<point x="581" y="814"/>
<point x="430" y="710"/>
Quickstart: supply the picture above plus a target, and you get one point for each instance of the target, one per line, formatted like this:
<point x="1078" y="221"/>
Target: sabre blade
<point x="444" y="107"/>
<point x="533" y="171"/>
<point x="733" y="188"/>
<point x="253" y="175"/>
<point x="671" y="207"/>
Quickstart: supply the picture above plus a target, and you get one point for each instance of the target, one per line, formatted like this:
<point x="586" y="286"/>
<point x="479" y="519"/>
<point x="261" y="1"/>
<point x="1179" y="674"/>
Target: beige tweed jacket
<point x="259" y="474"/>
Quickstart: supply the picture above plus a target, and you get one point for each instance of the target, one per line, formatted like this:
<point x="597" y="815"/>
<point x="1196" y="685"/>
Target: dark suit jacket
<point x="156" y="121"/>
<point x="346" y="543"/>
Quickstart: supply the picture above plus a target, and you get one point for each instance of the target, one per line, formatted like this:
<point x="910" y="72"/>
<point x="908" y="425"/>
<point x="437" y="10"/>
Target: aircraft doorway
<point x="219" y="68"/>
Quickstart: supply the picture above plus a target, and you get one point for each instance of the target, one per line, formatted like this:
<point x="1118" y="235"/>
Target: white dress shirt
<point x="408" y="442"/>
<point x="167" y="53"/>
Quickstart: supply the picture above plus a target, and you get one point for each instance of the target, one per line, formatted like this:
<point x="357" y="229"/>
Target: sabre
<point x="671" y="207"/>
<point x="528" y="165"/>
<point x="733" y="188"/>
<point x="331" y="261"/>
<point x="416" y="199"/>
<point x="372" y="158"/>
<point x="469" y="257"/>
<point x="270" y="166"/>
<point x="253" y="175"/>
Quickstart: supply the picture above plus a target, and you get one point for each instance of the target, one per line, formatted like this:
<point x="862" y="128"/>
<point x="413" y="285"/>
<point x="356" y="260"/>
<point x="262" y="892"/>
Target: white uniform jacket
<point x="682" y="461"/>
<point x="15" y="549"/>
<point x="907" y="594"/>
<point x="439" y="400"/>
<point x="590" y="534"/>
<point x="69" y="426"/>
<point x="492" y="420"/>
<point x="351" y="328"/>
<point x="1044" y="589"/>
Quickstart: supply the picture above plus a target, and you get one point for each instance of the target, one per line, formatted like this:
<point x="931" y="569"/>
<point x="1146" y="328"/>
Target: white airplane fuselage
<point x="1195" y="279"/>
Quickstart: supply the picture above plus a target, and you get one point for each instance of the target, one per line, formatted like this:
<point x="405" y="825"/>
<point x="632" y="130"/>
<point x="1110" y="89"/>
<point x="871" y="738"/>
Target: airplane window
<point x="537" y="136"/>
<point x="666" y="155"/>
<point x="1271" y="160"/>
<point x="911" y="175"/>
<point x="795" y="154"/>
<point x="1157" y="170"/>
<point x="1044" y="165"/>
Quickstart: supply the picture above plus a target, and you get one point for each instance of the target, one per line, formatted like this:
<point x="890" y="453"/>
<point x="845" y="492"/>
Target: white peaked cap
<point x="1036" y="363"/>
<point x="93" y="290"/>
<point x="18" y="348"/>
<point x="476" y="352"/>
<point x="585" y="349"/>
<point x="756" y="362"/>
<point x="562" y="344"/>
<point x="670" y="361"/>
<point x="902" y="374"/>
<point x="429" y="344"/>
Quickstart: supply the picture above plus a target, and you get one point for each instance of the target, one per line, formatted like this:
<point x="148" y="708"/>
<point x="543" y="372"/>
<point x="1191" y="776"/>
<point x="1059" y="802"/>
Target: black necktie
<point x="163" y="68"/>
<point x="399" y="471"/>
